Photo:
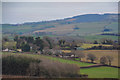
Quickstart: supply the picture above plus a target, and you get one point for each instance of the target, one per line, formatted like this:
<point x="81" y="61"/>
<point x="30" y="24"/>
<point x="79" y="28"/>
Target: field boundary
<point x="98" y="65"/>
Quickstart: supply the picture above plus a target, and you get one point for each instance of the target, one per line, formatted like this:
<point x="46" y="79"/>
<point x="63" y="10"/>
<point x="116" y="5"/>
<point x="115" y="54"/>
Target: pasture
<point x="101" y="72"/>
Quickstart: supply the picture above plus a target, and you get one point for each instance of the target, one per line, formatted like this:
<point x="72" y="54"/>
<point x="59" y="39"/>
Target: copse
<point x="25" y="42"/>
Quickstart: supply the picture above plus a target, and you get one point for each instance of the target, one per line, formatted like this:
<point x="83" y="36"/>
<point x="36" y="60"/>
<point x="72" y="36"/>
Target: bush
<point x="16" y="65"/>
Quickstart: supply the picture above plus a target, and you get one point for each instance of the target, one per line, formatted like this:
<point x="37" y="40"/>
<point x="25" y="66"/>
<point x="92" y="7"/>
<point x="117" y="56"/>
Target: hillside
<point x="81" y="25"/>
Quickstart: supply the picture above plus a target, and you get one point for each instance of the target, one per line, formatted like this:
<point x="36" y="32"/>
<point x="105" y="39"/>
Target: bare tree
<point x="103" y="60"/>
<point x="52" y="69"/>
<point x="80" y="55"/>
<point x="91" y="57"/>
<point x="110" y="59"/>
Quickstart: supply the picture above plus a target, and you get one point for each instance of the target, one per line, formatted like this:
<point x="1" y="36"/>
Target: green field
<point x="101" y="72"/>
<point x="97" y="72"/>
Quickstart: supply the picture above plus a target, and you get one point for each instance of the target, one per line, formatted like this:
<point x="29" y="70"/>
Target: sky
<point x="60" y="0"/>
<point x="20" y="12"/>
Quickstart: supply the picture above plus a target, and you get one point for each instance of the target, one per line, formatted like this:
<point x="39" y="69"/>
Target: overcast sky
<point x="20" y="12"/>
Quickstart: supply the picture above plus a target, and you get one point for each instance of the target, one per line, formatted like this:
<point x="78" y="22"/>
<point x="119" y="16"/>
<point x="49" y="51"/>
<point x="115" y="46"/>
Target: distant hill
<point x="81" y="25"/>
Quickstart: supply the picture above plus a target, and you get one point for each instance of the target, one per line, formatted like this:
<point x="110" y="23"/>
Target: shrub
<point x="16" y="65"/>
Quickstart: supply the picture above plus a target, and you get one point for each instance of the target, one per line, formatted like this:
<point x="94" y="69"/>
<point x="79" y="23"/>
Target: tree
<point x="5" y="39"/>
<point x="110" y="59"/>
<point x="107" y="41"/>
<point x="50" y="42"/>
<point x="19" y="42"/>
<point x="73" y="45"/>
<point x="30" y="39"/>
<point x="80" y="55"/>
<point x="95" y="42"/>
<point x="103" y="60"/>
<point x="39" y="42"/>
<point x="16" y="38"/>
<point x="25" y="47"/>
<point x="91" y="57"/>
<point x="61" y="42"/>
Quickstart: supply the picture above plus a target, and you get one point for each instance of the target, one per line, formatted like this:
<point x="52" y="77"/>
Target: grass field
<point x="101" y="72"/>
<point x="98" y="72"/>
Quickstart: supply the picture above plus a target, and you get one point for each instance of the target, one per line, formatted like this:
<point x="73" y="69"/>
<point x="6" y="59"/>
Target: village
<point x="61" y="48"/>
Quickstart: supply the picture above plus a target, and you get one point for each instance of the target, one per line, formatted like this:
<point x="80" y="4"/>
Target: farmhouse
<point x="68" y="55"/>
<point x="19" y="50"/>
<point x="7" y="50"/>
